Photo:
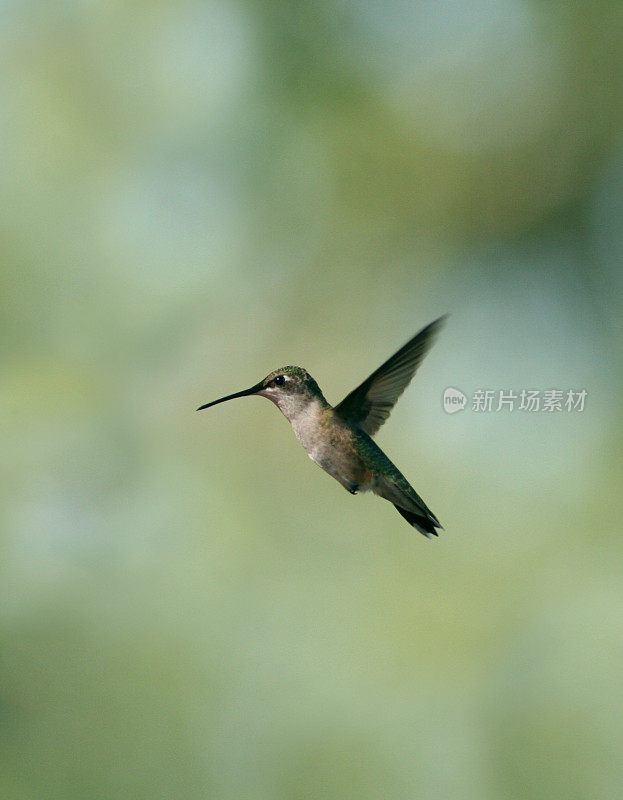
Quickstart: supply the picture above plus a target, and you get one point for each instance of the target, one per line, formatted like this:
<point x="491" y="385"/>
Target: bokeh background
<point x="195" y="193"/>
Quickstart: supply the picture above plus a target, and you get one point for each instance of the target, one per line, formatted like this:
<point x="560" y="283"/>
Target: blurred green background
<point x="195" y="193"/>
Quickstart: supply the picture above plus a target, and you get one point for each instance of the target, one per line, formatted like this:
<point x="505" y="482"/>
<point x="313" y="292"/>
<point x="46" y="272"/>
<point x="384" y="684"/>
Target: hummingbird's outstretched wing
<point x="369" y="405"/>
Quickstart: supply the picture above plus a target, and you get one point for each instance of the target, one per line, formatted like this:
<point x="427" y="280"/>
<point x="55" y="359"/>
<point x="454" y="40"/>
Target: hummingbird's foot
<point x="354" y="488"/>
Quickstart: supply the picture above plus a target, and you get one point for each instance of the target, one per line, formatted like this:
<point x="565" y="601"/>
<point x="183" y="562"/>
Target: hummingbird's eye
<point x="279" y="380"/>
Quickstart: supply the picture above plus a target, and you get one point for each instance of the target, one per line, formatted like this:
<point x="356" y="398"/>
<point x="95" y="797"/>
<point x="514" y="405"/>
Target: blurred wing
<point x="369" y="405"/>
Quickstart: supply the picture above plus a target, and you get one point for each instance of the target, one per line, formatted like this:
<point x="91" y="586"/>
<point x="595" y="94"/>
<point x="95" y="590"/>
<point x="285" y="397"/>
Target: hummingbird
<point x="339" y="438"/>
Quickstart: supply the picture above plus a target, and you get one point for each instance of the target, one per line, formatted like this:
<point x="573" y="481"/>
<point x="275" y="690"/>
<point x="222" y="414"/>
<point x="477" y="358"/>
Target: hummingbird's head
<point x="291" y="389"/>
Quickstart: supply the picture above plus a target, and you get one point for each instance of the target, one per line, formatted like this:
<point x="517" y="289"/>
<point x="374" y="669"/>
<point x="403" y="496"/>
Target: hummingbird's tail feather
<point x="424" y="524"/>
<point x="407" y="501"/>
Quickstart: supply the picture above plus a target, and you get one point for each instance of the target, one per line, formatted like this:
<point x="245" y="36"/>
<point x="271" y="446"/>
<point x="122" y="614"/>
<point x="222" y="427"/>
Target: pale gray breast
<point x="308" y="430"/>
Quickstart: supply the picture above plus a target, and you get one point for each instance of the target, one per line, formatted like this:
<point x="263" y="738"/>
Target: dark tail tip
<point x="424" y="525"/>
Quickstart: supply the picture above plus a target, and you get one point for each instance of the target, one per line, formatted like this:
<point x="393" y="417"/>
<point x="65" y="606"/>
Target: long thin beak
<point x="244" y="393"/>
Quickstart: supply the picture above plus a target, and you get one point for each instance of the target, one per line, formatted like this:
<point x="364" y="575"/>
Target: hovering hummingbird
<point x="338" y="438"/>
